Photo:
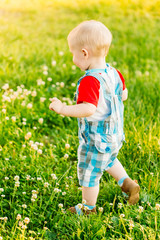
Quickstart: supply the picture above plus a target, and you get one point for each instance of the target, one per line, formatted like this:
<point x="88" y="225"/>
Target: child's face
<point x="80" y="58"/>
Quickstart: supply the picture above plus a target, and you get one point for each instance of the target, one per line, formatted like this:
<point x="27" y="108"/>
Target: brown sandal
<point x="131" y="188"/>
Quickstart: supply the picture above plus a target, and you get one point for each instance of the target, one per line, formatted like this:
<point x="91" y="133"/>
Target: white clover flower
<point x="66" y="156"/>
<point x="20" y="223"/>
<point x="7" y="159"/>
<point x="34" y="93"/>
<point x="17" y="184"/>
<point x="34" y="196"/>
<point x="1" y="238"/>
<point x="53" y="63"/>
<point x="41" y="144"/>
<point x="157" y="206"/>
<point x="34" y="128"/>
<point x="23" y="145"/>
<point x="28" y="177"/>
<point x="67" y="146"/>
<point x="148" y="203"/>
<point x="86" y="208"/>
<point x="6" y="99"/>
<point x="13" y="119"/>
<point x="34" y="146"/>
<point x="57" y="190"/>
<point x="23" y="103"/>
<point x="64" y="65"/>
<point x="42" y="99"/>
<point x="39" y="151"/>
<point x="24" y="227"/>
<point x="26" y="220"/>
<point x="147" y="73"/>
<point x="33" y="200"/>
<point x="24" y="206"/>
<point x="138" y="73"/>
<point x="122" y="215"/>
<point x="73" y="84"/>
<point x="73" y="67"/>
<point x="80" y="205"/>
<point x="80" y="188"/>
<point x="120" y="205"/>
<point x="1" y="190"/>
<point x="45" y="68"/>
<point x="60" y="205"/>
<point x="61" y="84"/>
<point x="23" y="193"/>
<point x="34" y="191"/>
<point x="24" y="123"/>
<point x="40" y="82"/>
<point x="40" y="120"/>
<point x="3" y="110"/>
<point x="61" y="53"/>
<point x="100" y="209"/>
<point x="49" y="79"/>
<point x="131" y="224"/>
<point x="3" y="196"/>
<point x="83" y="201"/>
<point x="46" y="184"/>
<point x="5" y="86"/>
<point x="29" y="105"/>
<point x="45" y="72"/>
<point x="53" y="176"/>
<point x="140" y="210"/>
<point x="31" y="142"/>
<point x="18" y="217"/>
<point x="7" y="118"/>
<point x="39" y="179"/>
<point x="6" y="178"/>
<point x="16" y="178"/>
<point x="5" y="219"/>
<point x="63" y="193"/>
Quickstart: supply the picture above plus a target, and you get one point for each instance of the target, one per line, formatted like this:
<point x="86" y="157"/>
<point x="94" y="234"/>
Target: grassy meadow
<point x="38" y="148"/>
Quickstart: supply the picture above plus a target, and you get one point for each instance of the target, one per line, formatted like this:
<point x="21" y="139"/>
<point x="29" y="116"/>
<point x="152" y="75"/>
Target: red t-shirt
<point x="89" y="89"/>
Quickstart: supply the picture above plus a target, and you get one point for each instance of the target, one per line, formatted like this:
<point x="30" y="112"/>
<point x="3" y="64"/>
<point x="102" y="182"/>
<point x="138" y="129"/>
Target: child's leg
<point x="127" y="184"/>
<point x="118" y="172"/>
<point x="90" y="194"/>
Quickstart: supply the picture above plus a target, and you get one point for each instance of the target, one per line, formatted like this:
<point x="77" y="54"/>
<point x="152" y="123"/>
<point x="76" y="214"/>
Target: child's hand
<point x="56" y="105"/>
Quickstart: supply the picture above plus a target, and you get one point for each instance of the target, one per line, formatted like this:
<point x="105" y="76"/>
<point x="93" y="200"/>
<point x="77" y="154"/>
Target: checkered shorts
<point x="93" y="159"/>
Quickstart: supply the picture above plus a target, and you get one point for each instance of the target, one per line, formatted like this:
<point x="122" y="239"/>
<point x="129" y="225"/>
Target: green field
<point x="37" y="168"/>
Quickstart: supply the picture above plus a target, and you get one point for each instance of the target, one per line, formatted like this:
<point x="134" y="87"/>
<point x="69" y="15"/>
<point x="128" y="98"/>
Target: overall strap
<point x="109" y="92"/>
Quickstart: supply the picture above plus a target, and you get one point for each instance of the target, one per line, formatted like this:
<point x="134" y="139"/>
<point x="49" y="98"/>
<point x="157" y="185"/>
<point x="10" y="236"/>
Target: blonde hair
<point x="93" y="35"/>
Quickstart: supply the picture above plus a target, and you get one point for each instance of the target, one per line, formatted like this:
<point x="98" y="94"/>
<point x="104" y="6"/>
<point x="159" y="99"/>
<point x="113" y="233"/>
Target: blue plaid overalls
<point x="100" y="141"/>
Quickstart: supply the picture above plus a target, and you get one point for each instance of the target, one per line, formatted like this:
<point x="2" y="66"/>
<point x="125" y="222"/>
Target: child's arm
<point x="78" y="110"/>
<point x="125" y="94"/>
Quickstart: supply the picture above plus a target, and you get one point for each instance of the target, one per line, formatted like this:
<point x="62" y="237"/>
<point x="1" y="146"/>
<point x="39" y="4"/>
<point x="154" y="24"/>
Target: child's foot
<point x="82" y="211"/>
<point x="132" y="189"/>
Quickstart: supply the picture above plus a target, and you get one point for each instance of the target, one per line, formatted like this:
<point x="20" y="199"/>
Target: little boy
<point x="99" y="109"/>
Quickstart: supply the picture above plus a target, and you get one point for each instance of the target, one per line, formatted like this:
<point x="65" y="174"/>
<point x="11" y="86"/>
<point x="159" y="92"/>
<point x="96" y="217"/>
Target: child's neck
<point x="97" y="63"/>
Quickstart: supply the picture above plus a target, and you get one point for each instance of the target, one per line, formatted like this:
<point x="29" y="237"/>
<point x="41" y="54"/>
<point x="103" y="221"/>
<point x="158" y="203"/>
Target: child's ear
<point x="85" y="52"/>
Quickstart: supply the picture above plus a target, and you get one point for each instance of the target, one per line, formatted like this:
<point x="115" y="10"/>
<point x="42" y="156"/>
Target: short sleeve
<point x="122" y="79"/>
<point x="89" y="90"/>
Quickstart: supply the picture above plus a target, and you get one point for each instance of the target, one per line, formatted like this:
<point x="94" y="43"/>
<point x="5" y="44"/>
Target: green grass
<point x="33" y="33"/>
